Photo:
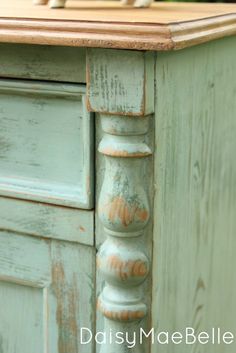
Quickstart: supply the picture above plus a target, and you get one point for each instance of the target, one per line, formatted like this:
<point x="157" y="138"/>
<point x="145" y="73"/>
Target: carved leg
<point x="124" y="211"/>
<point x="57" y="3"/>
<point x="120" y="88"/>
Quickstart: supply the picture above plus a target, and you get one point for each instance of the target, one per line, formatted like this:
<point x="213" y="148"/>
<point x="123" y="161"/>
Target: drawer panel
<point x="46" y="139"/>
<point x="43" y="62"/>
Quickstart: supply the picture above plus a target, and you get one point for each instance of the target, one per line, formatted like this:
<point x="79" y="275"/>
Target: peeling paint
<point x="121" y="315"/>
<point x="126" y="269"/>
<point x="119" y="208"/>
<point x="67" y="300"/>
<point x="122" y="153"/>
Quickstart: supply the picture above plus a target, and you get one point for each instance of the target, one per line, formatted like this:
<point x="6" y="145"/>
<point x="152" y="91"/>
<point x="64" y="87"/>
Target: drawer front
<point x="46" y="295"/>
<point x="46" y="139"/>
<point x="43" y="62"/>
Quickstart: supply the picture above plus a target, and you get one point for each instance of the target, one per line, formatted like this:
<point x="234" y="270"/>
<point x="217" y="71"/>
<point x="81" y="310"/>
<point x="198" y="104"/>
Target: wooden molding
<point x="164" y="26"/>
<point x="192" y="33"/>
<point x="124" y="211"/>
<point x="85" y="34"/>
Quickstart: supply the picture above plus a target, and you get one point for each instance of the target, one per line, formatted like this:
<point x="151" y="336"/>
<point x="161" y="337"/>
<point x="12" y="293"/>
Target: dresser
<point x="117" y="177"/>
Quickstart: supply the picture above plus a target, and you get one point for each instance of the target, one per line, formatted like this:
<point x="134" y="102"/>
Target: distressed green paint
<point x="46" y="294"/>
<point x="120" y="81"/>
<point x="120" y="84"/>
<point x="44" y="129"/>
<point x="43" y="62"/>
<point x="24" y="260"/>
<point x="194" y="281"/>
<point x="47" y="143"/>
<point x="45" y="220"/>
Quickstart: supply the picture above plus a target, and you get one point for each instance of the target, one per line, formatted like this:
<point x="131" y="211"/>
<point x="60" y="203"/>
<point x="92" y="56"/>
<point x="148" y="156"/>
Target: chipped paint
<point x="125" y="269"/>
<point x="128" y="268"/>
<point x="127" y="213"/>
<point x="67" y="301"/>
<point x="120" y="315"/>
<point x="108" y="90"/>
<point x="123" y="153"/>
<point x="123" y="206"/>
<point x="26" y="171"/>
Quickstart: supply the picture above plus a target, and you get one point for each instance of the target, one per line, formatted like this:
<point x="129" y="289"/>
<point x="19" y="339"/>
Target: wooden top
<point x="108" y="24"/>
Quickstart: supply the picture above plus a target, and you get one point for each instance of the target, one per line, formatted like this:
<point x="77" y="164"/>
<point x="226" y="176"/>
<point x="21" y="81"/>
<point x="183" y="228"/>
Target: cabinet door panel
<point x="21" y="320"/>
<point x="46" y="295"/>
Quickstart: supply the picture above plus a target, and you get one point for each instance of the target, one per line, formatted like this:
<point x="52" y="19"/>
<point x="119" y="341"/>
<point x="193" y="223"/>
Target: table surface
<point x="108" y="24"/>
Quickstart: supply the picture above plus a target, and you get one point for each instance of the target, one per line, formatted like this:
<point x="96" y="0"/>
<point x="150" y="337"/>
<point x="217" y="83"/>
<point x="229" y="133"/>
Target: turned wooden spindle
<point x="124" y="212"/>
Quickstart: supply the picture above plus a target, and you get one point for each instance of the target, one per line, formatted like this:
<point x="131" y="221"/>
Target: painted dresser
<point x="117" y="177"/>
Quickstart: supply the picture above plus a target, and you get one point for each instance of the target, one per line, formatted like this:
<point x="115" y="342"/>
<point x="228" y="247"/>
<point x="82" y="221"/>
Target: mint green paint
<point x="42" y="62"/>
<point x="21" y="324"/>
<point x="194" y="281"/>
<point x="46" y="143"/>
<point x="24" y="260"/>
<point x="120" y="82"/>
<point x="47" y="220"/>
<point x="46" y="294"/>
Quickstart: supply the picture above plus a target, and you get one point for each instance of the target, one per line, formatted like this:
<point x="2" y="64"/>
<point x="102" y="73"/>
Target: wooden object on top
<point x="108" y="24"/>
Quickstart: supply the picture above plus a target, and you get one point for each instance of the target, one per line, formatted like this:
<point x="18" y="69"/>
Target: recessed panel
<point x="21" y="319"/>
<point x="45" y="152"/>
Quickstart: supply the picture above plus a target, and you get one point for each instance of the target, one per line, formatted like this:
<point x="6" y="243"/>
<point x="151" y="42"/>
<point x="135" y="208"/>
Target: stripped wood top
<point x="108" y="24"/>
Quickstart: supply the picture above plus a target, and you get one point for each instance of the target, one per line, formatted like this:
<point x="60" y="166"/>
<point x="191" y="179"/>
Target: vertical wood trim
<point x="120" y="86"/>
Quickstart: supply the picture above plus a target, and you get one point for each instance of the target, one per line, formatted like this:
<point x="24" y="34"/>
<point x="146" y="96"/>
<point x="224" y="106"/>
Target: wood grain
<point x="114" y="11"/>
<point x="164" y="26"/>
<point x="109" y="91"/>
<point x="195" y="224"/>
<point x="71" y="297"/>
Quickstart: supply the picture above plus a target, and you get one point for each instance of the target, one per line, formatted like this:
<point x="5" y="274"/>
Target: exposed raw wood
<point x="108" y="24"/>
<point x="114" y="11"/>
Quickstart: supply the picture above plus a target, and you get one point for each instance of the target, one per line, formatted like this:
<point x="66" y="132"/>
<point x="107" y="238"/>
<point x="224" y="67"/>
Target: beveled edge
<point x="204" y="30"/>
<point x="133" y="36"/>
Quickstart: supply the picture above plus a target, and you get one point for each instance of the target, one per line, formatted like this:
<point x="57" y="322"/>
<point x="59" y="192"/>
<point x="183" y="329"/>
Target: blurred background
<point x="229" y="1"/>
